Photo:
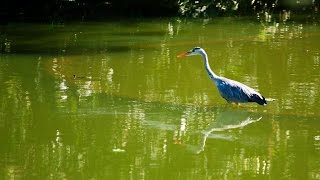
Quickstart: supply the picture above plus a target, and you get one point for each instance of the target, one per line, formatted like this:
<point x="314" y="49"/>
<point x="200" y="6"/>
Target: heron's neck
<point x="211" y="74"/>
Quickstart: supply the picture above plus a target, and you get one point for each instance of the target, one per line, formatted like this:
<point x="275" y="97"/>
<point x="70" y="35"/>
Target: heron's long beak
<point x="183" y="54"/>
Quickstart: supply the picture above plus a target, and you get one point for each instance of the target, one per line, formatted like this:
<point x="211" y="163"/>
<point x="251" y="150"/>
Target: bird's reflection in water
<point x="226" y="119"/>
<point x="209" y="123"/>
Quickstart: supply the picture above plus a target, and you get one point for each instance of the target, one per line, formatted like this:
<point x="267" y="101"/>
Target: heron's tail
<point x="258" y="99"/>
<point x="270" y="99"/>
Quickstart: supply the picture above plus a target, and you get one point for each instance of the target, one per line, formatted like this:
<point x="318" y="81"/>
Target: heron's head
<point x="192" y="52"/>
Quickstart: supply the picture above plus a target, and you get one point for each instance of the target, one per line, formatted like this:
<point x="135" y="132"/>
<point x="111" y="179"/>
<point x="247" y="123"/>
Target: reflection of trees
<point x="290" y="43"/>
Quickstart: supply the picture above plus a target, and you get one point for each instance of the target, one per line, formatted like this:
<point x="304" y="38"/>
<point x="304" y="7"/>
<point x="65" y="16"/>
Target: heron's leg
<point x="235" y="104"/>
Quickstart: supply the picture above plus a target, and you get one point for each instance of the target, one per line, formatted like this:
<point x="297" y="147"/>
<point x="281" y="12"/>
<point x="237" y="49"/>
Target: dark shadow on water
<point x="44" y="48"/>
<point x="142" y="33"/>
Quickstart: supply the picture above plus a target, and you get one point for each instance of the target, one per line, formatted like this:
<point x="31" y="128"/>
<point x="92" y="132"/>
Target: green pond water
<point x="111" y="100"/>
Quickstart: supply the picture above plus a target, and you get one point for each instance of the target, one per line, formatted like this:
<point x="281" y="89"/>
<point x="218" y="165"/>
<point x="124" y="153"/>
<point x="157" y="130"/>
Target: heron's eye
<point x="194" y="49"/>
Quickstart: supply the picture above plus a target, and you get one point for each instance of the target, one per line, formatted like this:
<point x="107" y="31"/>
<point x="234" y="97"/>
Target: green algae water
<point x="112" y="101"/>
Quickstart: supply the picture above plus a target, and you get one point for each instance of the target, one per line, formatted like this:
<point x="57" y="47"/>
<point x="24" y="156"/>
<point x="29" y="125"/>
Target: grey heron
<point x="232" y="91"/>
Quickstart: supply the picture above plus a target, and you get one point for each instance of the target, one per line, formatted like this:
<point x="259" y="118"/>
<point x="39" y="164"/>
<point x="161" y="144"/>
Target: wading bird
<point x="232" y="91"/>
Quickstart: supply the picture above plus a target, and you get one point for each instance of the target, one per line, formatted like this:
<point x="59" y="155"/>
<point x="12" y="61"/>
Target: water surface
<point x="111" y="100"/>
